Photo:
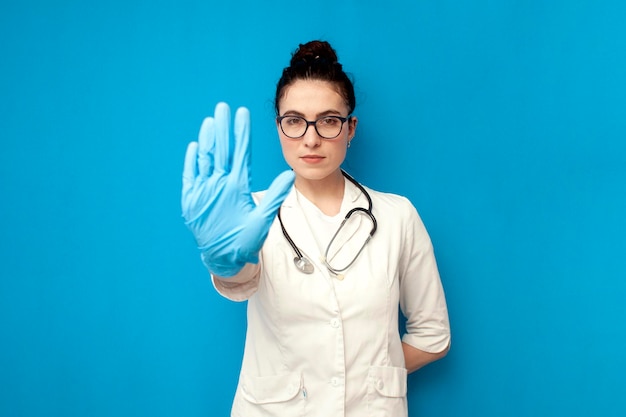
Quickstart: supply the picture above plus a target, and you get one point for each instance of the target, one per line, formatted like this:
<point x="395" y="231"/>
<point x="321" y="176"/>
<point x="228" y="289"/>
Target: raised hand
<point x="216" y="201"/>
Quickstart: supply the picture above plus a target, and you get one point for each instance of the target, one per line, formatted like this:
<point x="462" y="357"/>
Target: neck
<point x="326" y="194"/>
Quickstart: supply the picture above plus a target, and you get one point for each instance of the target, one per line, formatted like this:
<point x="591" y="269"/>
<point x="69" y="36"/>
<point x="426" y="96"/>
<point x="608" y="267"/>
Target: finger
<point x="206" y="147"/>
<point x="276" y="194"/>
<point x="190" y="168"/>
<point x="241" y="159"/>
<point x="190" y="171"/>
<point x="222" y="138"/>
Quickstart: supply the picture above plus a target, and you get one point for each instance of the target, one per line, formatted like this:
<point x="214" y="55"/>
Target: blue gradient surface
<point x="503" y="122"/>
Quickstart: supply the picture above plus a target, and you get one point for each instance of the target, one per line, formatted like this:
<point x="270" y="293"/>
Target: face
<point x="312" y="157"/>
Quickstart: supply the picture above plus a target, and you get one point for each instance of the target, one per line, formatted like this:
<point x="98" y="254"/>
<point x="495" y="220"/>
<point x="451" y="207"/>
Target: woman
<point x="323" y="296"/>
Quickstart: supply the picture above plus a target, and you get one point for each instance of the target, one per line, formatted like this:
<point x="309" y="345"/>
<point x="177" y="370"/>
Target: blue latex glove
<point x="216" y="201"/>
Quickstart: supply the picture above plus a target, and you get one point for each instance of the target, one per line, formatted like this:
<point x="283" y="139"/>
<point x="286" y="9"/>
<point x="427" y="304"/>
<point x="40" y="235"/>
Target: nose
<point x="311" y="138"/>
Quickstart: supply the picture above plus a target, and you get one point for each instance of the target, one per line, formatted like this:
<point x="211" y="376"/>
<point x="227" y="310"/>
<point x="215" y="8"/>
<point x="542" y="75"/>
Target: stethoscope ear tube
<point x="367" y="212"/>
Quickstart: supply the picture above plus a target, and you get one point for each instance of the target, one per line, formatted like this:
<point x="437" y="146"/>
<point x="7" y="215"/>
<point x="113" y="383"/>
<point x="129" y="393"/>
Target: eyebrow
<point x="329" y="112"/>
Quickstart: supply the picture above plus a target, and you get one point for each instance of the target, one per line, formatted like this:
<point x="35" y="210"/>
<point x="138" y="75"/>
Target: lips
<point x="312" y="159"/>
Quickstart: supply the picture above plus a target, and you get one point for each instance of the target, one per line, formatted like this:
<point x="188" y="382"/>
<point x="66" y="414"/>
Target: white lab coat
<point x="323" y="347"/>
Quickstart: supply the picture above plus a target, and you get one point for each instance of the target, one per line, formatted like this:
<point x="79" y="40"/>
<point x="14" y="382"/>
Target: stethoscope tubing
<point x="303" y="264"/>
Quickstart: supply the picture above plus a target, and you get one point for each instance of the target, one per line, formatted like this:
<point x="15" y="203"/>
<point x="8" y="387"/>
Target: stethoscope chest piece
<point x="303" y="264"/>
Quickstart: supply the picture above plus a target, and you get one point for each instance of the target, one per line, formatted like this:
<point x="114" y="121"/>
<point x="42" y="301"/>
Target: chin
<point x="314" y="173"/>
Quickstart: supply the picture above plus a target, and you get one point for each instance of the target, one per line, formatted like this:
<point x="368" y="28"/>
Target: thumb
<point x="276" y="194"/>
<point x="254" y="233"/>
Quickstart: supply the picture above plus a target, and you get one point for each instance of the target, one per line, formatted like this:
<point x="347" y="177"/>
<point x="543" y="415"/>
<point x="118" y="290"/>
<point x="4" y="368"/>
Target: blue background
<point x="503" y="121"/>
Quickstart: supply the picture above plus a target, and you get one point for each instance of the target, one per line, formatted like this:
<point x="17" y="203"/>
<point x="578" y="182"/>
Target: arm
<point x="415" y="359"/>
<point x="422" y="299"/>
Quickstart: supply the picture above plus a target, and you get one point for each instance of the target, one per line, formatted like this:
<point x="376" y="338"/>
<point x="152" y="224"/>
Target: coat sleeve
<point x="422" y="298"/>
<point x="241" y="286"/>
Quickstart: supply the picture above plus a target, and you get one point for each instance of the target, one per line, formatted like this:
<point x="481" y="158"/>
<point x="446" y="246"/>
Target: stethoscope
<point x="303" y="264"/>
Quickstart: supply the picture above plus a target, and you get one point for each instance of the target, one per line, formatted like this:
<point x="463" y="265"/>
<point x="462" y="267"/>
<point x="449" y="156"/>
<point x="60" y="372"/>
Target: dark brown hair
<point x="316" y="60"/>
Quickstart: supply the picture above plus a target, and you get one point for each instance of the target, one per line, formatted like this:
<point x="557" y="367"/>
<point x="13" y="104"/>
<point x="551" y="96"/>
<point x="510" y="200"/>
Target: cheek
<point x="288" y="146"/>
<point x="340" y="149"/>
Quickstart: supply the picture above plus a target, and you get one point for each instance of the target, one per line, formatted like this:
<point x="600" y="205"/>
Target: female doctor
<point x="323" y="261"/>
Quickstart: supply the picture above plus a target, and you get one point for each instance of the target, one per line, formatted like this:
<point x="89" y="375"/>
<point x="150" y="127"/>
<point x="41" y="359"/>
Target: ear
<point x="352" y="127"/>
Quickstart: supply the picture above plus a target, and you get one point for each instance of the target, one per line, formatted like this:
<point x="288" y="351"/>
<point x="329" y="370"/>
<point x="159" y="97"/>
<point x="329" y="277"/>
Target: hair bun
<point x="314" y="53"/>
<point x="316" y="60"/>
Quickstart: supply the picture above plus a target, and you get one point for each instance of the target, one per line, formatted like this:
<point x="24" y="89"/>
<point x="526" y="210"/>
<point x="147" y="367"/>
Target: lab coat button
<point x="334" y="323"/>
<point x="380" y="384"/>
<point x="334" y="382"/>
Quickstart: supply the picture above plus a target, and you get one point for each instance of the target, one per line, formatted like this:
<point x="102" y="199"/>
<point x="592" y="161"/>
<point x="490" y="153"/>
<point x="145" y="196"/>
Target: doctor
<point x="323" y="261"/>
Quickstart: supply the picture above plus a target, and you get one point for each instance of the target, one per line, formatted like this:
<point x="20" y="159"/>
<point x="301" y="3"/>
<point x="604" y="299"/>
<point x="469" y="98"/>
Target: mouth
<point x="312" y="159"/>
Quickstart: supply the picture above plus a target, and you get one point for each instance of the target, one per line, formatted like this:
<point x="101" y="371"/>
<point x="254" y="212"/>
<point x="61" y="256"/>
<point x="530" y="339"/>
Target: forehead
<point x="312" y="97"/>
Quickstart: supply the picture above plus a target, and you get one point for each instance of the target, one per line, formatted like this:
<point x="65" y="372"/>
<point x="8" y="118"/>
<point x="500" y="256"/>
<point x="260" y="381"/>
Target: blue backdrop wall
<point x="503" y="121"/>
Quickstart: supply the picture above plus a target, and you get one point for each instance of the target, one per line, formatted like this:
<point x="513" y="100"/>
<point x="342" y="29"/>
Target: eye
<point x="293" y="121"/>
<point x="329" y="121"/>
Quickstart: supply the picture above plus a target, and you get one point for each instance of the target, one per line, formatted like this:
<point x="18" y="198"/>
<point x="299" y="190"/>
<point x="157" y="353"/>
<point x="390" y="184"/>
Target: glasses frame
<point x="313" y="123"/>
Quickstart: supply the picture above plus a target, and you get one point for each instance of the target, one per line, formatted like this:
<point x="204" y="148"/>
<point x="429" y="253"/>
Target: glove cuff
<point x="226" y="268"/>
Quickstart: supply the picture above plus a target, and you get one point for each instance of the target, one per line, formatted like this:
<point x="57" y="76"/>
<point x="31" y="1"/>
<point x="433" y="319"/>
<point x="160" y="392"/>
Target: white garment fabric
<point x="325" y="226"/>
<point x="319" y="346"/>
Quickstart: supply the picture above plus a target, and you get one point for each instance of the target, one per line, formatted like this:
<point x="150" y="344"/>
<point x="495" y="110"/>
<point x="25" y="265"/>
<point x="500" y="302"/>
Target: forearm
<point x="415" y="359"/>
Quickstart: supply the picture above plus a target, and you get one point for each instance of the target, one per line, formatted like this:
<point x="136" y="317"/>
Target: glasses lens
<point x="329" y="127"/>
<point x="293" y="126"/>
<point x="349" y="241"/>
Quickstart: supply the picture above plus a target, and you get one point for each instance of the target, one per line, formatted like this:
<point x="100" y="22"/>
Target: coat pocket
<point x="282" y="394"/>
<point x="386" y="391"/>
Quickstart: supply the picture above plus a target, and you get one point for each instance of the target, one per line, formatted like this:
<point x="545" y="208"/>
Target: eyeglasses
<point x="328" y="127"/>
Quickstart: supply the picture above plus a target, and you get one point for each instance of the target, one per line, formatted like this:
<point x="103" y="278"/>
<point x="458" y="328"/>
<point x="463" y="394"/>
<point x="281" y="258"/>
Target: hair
<point x="316" y="60"/>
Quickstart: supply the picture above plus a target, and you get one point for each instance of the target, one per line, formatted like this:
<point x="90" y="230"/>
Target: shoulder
<point x="389" y="203"/>
<point x="399" y="218"/>
<point x="397" y="214"/>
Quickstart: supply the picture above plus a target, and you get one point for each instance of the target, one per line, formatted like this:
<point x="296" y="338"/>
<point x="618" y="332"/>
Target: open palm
<point x="216" y="201"/>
